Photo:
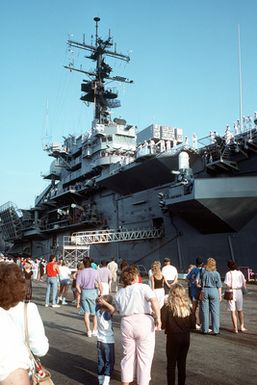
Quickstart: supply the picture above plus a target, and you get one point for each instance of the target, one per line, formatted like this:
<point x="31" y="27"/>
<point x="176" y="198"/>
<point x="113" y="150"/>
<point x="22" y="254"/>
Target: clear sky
<point x="184" y="63"/>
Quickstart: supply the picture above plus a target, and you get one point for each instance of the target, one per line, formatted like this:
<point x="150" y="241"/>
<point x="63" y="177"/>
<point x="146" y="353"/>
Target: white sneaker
<point x="46" y="305"/>
<point x="100" y="379"/>
<point x="89" y="333"/>
<point x="106" y="380"/>
<point x="64" y="302"/>
<point x="56" y="305"/>
<point x="94" y="333"/>
<point x="58" y="299"/>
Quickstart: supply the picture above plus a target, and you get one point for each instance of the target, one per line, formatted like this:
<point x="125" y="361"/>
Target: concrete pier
<point x="226" y="359"/>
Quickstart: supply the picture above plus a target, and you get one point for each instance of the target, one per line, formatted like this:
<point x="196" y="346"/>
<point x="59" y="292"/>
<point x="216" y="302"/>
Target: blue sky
<point x="184" y="63"/>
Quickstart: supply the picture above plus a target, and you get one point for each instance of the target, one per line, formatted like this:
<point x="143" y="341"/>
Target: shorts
<point x="237" y="303"/>
<point x="166" y="288"/>
<point x="195" y="291"/>
<point x="106" y="288"/>
<point x="65" y="282"/>
<point x="88" y="301"/>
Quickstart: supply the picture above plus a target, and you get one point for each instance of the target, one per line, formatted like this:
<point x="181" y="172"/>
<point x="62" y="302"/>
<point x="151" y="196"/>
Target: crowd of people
<point x="205" y="291"/>
<point x="144" y="309"/>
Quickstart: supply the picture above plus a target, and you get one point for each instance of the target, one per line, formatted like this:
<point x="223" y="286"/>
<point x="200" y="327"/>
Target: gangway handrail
<point x="111" y="235"/>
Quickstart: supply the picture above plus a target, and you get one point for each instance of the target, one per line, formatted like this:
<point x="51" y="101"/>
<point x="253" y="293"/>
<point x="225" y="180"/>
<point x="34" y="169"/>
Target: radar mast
<point x="94" y="90"/>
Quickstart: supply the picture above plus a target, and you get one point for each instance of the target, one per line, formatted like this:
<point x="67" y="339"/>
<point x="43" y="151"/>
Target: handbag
<point x="244" y="290"/>
<point x="39" y="374"/>
<point x="41" y="379"/>
<point x="200" y="295"/>
<point x="228" y="294"/>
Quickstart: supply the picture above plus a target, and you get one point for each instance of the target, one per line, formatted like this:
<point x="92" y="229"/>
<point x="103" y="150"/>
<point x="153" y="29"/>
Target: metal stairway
<point x="223" y="162"/>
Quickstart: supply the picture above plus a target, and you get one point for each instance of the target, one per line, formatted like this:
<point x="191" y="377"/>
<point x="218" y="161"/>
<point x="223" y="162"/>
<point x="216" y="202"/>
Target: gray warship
<point x="140" y="196"/>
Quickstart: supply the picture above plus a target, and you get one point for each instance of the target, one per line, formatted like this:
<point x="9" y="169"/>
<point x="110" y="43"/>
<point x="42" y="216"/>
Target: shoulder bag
<point x="228" y="294"/>
<point x="200" y="294"/>
<point x="40" y="375"/>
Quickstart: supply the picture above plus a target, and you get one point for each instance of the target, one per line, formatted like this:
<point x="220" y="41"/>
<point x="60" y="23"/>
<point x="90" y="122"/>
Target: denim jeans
<point x="105" y="358"/>
<point x="88" y="301"/>
<point x="52" y="282"/>
<point x="210" y="307"/>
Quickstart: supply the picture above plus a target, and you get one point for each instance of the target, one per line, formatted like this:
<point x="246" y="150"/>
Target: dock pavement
<point x="225" y="359"/>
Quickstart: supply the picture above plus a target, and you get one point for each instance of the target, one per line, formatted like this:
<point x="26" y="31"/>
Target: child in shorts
<point x="105" y="339"/>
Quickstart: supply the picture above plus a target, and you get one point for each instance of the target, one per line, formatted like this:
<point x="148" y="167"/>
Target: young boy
<point x="105" y="339"/>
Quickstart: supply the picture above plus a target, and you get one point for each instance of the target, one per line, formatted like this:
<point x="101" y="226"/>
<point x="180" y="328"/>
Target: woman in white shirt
<point x="135" y="303"/>
<point x="12" y="294"/>
<point x="65" y="281"/>
<point x="14" y="356"/>
<point x="235" y="280"/>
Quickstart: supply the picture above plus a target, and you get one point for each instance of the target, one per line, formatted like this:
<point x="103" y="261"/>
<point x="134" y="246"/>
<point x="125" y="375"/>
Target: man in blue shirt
<point x="194" y="279"/>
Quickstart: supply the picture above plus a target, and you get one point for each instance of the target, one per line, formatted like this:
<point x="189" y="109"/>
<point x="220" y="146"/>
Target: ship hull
<point x="184" y="236"/>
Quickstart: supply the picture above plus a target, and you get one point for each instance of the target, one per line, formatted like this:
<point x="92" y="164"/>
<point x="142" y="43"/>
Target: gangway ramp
<point x="77" y="246"/>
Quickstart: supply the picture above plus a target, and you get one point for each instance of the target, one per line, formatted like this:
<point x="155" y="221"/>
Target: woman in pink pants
<point x="135" y="303"/>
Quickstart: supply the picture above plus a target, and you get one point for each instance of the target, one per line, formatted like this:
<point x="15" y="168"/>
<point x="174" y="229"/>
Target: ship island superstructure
<point x="116" y="192"/>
